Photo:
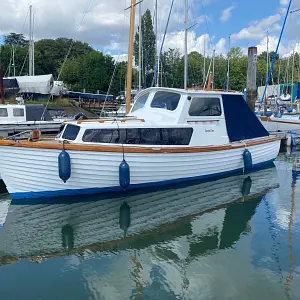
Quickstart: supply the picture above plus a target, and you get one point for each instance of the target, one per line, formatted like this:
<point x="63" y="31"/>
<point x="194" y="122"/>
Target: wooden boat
<point x="281" y="124"/>
<point x="84" y="225"/>
<point x="170" y="136"/>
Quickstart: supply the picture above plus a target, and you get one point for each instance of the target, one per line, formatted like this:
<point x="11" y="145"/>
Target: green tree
<point x="172" y="68"/>
<point x="148" y="47"/>
<point x="16" y="39"/>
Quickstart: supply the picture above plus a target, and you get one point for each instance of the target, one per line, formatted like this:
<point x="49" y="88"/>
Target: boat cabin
<point x="173" y="117"/>
<point x="14" y="114"/>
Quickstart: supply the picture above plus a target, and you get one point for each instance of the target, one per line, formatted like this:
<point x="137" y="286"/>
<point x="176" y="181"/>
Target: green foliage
<point x="15" y="39"/>
<point x="49" y="54"/>
<point x="92" y="70"/>
<point x="148" y="47"/>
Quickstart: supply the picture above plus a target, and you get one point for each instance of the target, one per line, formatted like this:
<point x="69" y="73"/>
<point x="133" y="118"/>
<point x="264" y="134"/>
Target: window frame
<point x="125" y="135"/>
<point x="160" y="108"/>
<point x="206" y="97"/>
<point x="19" y="109"/>
<point x="4" y="108"/>
<point x="64" y="131"/>
<point x="138" y="98"/>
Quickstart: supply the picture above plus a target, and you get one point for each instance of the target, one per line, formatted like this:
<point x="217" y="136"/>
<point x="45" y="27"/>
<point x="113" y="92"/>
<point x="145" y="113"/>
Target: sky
<point x="104" y="24"/>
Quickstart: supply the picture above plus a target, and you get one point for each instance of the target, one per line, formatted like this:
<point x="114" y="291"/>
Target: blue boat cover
<point x="241" y="122"/>
<point x="298" y="91"/>
<point x="101" y="97"/>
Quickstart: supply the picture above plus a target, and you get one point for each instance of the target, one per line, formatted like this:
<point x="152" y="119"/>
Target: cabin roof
<point x="190" y="91"/>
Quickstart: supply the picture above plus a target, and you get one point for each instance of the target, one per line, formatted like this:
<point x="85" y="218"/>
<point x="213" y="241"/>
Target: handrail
<point x="213" y="90"/>
<point x="109" y="120"/>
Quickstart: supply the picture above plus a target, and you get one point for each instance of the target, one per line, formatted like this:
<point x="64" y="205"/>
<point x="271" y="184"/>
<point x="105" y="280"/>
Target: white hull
<point x="281" y="124"/>
<point x="33" y="172"/>
<point x="36" y="230"/>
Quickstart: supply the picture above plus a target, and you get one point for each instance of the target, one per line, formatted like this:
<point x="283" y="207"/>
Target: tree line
<point x="91" y="70"/>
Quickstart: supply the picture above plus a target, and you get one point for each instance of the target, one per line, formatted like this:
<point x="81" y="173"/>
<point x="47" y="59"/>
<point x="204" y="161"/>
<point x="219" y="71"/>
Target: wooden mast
<point x="130" y="54"/>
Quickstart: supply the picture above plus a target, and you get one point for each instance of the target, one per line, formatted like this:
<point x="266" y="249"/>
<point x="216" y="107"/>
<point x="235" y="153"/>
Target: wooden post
<point x="251" y="95"/>
<point x="209" y="84"/>
<point x="130" y="53"/>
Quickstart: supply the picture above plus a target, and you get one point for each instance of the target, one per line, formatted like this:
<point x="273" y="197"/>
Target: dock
<point x="284" y="135"/>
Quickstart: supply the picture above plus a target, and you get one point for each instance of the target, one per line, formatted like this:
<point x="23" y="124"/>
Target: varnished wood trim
<point x="110" y="120"/>
<point x="129" y="149"/>
<point x="267" y="119"/>
<point x="201" y="121"/>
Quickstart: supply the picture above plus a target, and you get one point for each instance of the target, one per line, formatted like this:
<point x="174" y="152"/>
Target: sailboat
<point x="168" y="136"/>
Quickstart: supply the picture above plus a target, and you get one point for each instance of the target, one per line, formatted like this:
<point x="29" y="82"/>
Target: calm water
<point x="234" y="238"/>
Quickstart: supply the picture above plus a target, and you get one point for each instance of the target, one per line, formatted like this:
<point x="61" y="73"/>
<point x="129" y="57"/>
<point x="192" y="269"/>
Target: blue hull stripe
<point x="89" y="191"/>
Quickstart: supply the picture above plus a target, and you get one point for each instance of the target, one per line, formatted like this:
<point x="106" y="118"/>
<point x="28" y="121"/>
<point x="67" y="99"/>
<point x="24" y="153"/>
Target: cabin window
<point x="140" y="102"/>
<point x="105" y="136"/>
<point x="205" y="107"/>
<point x="165" y="100"/>
<point x="3" y="112"/>
<point x="139" y="136"/>
<point x="18" y="112"/>
<point x="70" y="132"/>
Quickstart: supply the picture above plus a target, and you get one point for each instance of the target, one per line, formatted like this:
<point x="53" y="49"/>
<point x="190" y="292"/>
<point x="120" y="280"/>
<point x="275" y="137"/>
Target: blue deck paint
<point x="90" y="191"/>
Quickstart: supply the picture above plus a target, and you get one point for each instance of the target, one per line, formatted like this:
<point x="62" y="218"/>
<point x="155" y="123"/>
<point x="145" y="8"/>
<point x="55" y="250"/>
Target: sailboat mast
<point x="204" y="69"/>
<point x="267" y="72"/>
<point x="185" y="44"/>
<point x="1" y="79"/>
<point x="140" y="46"/>
<point x="213" y="69"/>
<point x="13" y="60"/>
<point x="32" y="43"/>
<point x="130" y="53"/>
<point x="156" y="44"/>
<point x="228" y="65"/>
<point x="30" y="40"/>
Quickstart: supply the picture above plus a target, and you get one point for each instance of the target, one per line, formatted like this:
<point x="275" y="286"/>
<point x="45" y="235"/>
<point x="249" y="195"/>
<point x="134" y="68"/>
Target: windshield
<point x="140" y="102"/>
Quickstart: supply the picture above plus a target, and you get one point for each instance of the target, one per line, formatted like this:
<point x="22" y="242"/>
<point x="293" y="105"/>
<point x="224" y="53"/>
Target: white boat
<point x="284" y="123"/>
<point x="18" y="118"/>
<point x="37" y="230"/>
<point x="121" y="112"/>
<point x="286" y="97"/>
<point x="170" y="136"/>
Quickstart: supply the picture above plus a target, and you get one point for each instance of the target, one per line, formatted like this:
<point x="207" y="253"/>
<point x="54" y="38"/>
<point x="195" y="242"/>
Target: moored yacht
<point x="169" y="136"/>
<point x="16" y="118"/>
<point x="282" y="123"/>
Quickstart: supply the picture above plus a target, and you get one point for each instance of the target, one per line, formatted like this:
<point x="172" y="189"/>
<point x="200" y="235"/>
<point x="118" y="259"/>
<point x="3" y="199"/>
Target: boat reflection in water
<point x="115" y="222"/>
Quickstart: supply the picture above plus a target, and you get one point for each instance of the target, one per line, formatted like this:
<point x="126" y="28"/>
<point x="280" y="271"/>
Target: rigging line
<point x="23" y="27"/>
<point x="110" y="85"/>
<point x="162" y="43"/>
<point x="207" y="27"/>
<point x="274" y="56"/>
<point x="73" y="41"/>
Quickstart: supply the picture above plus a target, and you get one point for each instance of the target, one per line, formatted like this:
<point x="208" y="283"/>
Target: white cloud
<point x="221" y="46"/>
<point x="226" y="13"/>
<point x="257" y="29"/>
<point x="195" y="43"/>
<point x="273" y="40"/>
<point x="105" y="24"/>
<point x="121" y="57"/>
